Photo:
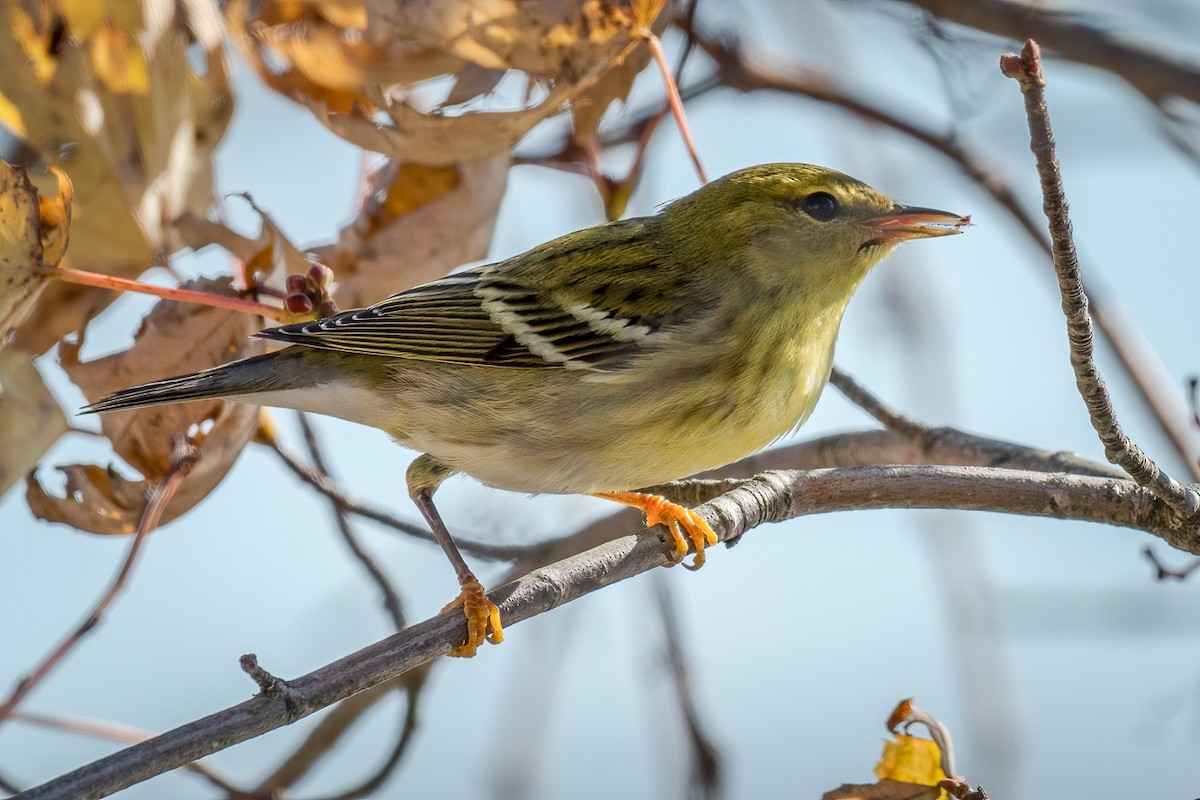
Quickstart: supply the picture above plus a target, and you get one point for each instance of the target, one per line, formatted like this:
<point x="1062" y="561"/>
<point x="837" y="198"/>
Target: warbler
<point x="620" y="356"/>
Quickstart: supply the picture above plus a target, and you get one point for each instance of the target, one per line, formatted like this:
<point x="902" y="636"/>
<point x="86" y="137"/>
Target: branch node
<point x="268" y="683"/>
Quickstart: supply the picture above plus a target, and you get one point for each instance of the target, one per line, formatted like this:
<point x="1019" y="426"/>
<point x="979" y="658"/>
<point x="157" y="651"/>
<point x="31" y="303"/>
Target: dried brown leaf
<point x="30" y="418"/>
<point x="421" y="222"/>
<point x="268" y="256"/>
<point x="436" y="139"/>
<point x="97" y="500"/>
<point x="33" y="234"/>
<point x="548" y="39"/>
<point x="20" y="248"/>
<point x="107" y="92"/>
<point x="582" y="51"/>
<point x="174" y="338"/>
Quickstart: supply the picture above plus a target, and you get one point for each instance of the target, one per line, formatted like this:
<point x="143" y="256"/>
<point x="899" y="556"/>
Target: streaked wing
<point x="517" y="313"/>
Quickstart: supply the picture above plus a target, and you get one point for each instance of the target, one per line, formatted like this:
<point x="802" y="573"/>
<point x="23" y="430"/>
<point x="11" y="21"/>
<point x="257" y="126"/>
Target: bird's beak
<point x="909" y="222"/>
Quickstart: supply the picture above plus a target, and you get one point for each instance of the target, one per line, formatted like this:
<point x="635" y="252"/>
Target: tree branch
<point x="771" y="497"/>
<point x="1026" y="69"/>
<point x="1155" y="74"/>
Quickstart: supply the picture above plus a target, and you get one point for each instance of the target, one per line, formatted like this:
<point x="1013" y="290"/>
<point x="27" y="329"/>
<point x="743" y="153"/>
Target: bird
<point x="624" y="355"/>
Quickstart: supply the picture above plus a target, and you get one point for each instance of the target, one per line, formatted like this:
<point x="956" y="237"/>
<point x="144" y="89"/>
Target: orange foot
<point x="483" y="618"/>
<point x="677" y="519"/>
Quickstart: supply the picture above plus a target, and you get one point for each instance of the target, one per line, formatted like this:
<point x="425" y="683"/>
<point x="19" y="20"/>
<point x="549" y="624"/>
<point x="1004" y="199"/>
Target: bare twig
<point x="336" y="723"/>
<point x="265" y="680"/>
<point x="333" y="726"/>
<point x="886" y="416"/>
<point x="771" y="497"/>
<point x="391" y="600"/>
<point x="7" y="786"/>
<point x="1155" y="74"/>
<point x="184" y="456"/>
<point x="704" y="780"/>
<point x="1164" y="573"/>
<point x="326" y="486"/>
<point x="1027" y="70"/>
<point x="674" y="99"/>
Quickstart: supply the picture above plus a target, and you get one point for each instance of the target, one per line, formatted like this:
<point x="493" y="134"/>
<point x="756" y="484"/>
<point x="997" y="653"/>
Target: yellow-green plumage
<point x="619" y="356"/>
<point x="616" y="357"/>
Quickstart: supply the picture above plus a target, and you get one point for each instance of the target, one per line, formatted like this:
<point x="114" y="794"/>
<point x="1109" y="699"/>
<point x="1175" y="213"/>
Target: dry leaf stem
<point x="100" y="281"/>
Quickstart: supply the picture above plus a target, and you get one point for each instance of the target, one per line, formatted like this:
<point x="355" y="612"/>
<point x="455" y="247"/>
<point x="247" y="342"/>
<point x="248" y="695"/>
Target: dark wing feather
<point x="525" y="312"/>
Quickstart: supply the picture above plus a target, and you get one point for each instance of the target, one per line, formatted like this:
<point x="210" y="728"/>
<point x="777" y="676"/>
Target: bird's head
<point x="800" y="225"/>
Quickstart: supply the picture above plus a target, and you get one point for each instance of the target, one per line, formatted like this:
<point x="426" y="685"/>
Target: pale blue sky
<point x="803" y="637"/>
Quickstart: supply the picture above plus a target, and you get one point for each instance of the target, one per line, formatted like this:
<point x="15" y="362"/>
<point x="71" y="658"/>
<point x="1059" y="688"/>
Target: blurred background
<point x="1049" y="649"/>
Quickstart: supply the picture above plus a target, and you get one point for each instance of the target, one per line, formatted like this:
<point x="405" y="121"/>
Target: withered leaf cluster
<point x="118" y="107"/>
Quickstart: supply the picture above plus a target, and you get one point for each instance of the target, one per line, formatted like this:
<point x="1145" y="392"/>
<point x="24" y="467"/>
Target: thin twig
<point x="1027" y="70"/>
<point x="326" y="486"/>
<point x="704" y="779"/>
<point x="184" y="456"/>
<point x="414" y="681"/>
<point x="391" y="599"/>
<point x="7" y="786"/>
<point x="1149" y="69"/>
<point x="887" y="416"/>
<point x="675" y="100"/>
<point x="1164" y="573"/>
<point x="321" y="740"/>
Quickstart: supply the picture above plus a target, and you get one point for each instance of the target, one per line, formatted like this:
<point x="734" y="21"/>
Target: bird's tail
<point x="233" y="380"/>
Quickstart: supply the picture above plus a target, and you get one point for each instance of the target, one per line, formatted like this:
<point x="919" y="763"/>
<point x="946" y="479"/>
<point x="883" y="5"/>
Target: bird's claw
<point x="483" y="618"/>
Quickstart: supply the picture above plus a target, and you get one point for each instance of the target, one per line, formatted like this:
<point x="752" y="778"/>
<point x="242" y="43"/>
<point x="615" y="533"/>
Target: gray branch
<point x="769" y="497"/>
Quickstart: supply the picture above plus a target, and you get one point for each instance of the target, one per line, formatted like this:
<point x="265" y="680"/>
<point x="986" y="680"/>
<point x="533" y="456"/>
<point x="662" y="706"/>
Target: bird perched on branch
<point x="625" y="355"/>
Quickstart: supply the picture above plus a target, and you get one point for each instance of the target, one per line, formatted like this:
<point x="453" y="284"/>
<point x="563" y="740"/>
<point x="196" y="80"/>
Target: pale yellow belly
<point x="560" y="434"/>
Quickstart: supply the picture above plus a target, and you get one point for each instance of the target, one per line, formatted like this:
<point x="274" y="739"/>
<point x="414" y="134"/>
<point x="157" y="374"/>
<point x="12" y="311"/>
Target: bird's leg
<point x="677" y="519"/>
<point x="483" y="617"/>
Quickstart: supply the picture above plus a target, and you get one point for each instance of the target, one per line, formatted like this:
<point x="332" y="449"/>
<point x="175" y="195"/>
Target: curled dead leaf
<point x="419" y="223"/>
<point x="174" y="338"/>
<point x="97" y="500"/>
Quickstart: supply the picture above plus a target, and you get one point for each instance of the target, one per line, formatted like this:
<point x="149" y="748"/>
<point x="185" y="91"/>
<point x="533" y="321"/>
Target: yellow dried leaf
<point x="419" y="223"/>
<point x="174" y="338"/>
<point x="415" y="186"/>
<point x="118" y="61"/>
<point x="21" y="245"/>
<point x="54" y="218"/>
<point x="30" y="418"/>
<point x="111" y="92"/>
<point x="38" y="39"/>
<point x="912" y="760"/>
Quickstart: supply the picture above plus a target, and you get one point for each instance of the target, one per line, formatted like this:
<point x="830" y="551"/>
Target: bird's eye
<point x="821" y="206"/>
